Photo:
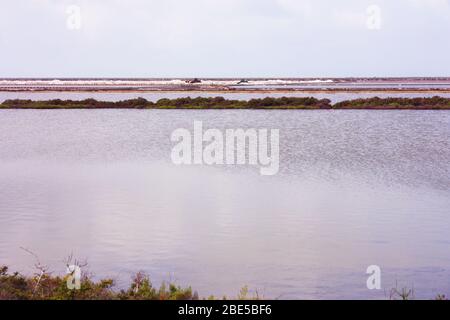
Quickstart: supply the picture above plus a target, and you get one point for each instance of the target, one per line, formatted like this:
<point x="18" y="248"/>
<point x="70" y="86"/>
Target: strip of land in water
<point x="268" y="103"/>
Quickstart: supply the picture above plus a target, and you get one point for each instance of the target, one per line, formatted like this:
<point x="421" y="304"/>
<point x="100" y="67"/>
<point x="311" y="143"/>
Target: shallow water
<point x="355" y="188"/>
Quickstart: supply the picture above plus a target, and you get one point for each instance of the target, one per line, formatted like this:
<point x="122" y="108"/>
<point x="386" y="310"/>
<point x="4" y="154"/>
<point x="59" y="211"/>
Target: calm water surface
<point x="355" y="188"/>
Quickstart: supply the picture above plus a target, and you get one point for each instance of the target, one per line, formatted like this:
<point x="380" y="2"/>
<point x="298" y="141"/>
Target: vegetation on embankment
<point x="434" y="103"/>
<point x="179" y="103"/>
<point x="45" y="286"/>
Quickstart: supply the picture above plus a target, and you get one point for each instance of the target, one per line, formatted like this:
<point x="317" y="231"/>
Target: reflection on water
<point x="355" y="188"/>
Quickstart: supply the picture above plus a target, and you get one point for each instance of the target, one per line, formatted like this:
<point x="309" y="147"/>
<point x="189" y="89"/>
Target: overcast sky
<point x="224" y="38"/>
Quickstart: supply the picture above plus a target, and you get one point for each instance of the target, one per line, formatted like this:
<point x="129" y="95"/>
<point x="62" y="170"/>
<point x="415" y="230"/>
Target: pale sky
<point x="224" y="38"/>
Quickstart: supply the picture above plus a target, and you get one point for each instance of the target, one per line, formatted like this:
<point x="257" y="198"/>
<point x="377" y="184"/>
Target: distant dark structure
<point x="193" y="81"/>
<point x="242" y="81"/>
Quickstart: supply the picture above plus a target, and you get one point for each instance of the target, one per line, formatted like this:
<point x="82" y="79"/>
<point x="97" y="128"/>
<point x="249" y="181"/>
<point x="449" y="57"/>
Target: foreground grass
<point x="434" y="103"/>
<point x="45" y="286"/>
